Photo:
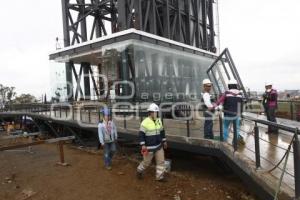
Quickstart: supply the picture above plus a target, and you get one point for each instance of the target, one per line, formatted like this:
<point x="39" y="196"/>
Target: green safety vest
<point x="150" y="127"/>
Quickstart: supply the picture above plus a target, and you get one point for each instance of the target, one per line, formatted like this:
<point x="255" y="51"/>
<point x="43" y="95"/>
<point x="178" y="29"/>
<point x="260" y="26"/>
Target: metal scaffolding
<point x="188" y="21"/>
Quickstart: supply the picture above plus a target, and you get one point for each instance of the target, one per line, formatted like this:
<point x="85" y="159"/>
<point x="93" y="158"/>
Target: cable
<point x="251" y="133"/>
<point x="281" y="160"/>
<point x="283" y="171"/>
<point x="285" y="155"/>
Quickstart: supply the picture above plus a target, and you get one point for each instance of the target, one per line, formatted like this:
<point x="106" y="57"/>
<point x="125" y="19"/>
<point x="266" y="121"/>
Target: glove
<point x="144" y="151"/>
<point x="220" y="107"/>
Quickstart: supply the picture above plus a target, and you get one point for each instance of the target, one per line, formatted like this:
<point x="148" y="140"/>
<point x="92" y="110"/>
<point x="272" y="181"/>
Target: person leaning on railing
<point x="232" y="101"/>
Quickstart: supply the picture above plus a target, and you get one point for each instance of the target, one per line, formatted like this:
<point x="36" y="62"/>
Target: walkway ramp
<point x="250" y="164"/>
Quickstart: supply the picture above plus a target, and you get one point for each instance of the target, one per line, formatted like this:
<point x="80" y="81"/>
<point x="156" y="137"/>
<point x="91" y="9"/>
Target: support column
<point x="124" y="72"/>
<point x="204" y="24"/>
<point x="296" y="147"/>
<point x="69" y="81"/>
<point x="68" y="67"/>
<point x="83" y="22"/>
<point x="122" y="24"/>
<point x="211" y="38"/>
<point x="86" y="80"/>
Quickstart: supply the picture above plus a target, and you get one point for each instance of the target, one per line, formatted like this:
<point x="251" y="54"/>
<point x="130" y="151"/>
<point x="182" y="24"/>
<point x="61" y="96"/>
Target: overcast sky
<point x="263" y="37"/>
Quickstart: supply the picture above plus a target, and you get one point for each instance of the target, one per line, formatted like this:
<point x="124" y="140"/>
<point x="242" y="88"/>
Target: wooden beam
<point x="21" y="145"/>
<point x="20" y="136"/>
<point x="60" y="139"/>
<point x="54" y="140"/>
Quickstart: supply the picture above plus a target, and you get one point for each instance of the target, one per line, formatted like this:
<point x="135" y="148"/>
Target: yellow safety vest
<point x="150" y="127"/>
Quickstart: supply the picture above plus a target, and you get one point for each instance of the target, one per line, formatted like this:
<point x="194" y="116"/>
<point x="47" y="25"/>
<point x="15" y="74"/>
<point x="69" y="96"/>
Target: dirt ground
<point x="36" y="176"/>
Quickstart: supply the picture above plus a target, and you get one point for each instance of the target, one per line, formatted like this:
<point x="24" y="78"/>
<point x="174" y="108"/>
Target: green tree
<point x="25" y="98"/>
<point x="3" y="94"/>
<point x="11" y="93"/>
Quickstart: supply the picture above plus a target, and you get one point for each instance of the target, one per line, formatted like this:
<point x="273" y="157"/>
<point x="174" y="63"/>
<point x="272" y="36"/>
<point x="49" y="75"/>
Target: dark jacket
<point x="232" y="101"/>
<point x="270" y="99"/>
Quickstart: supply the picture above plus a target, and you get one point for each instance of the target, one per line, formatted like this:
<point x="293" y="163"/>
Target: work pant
<point x="109" y="151"/>
<point x="272" y="118"/>
<point x="208" y="126"/>
<point x="160" y="163"/>
<point x="226" y="123"/>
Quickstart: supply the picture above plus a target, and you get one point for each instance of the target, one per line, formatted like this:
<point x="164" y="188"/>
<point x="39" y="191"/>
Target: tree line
<point x="8" y="95"/>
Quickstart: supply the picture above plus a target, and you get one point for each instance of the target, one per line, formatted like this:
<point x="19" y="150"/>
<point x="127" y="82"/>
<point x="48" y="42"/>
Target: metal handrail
<point x="269" y="123"/>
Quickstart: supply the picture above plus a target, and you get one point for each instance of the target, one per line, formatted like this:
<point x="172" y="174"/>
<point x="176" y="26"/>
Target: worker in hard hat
<point x="153" y="142"/>
<point x="232" y="101"/>
<point x="207" y="105"/>
<point x="107" y="132"/>
<point x="270" y="105"/>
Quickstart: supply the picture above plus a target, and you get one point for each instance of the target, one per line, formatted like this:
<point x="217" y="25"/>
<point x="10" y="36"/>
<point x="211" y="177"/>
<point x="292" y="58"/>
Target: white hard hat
<point x="206" y="82"/>
<point x="153" y="108"/>
<point x="232" y="82"/>
<point x="268" y="84"/>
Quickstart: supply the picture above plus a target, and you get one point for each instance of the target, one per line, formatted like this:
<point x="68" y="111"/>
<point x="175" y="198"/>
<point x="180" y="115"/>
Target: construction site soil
<point x="36" y="176"/>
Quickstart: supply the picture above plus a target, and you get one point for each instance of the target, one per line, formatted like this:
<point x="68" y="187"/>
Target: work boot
<point x="241" y="141"/>
<point x="139" y="175"/>
<point x="163" y="179"/>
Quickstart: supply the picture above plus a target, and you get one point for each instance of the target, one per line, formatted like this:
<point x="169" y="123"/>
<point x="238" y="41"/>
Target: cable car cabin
<point x="131" y="66"/>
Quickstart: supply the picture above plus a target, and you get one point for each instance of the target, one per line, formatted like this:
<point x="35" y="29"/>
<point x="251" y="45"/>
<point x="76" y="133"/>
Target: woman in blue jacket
<point x="107" y="132"/>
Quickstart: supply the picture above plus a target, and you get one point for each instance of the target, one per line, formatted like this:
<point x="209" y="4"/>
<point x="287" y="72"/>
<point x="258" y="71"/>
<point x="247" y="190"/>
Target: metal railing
<point x="288" y="109"/>
<point x="294" y="132"/>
